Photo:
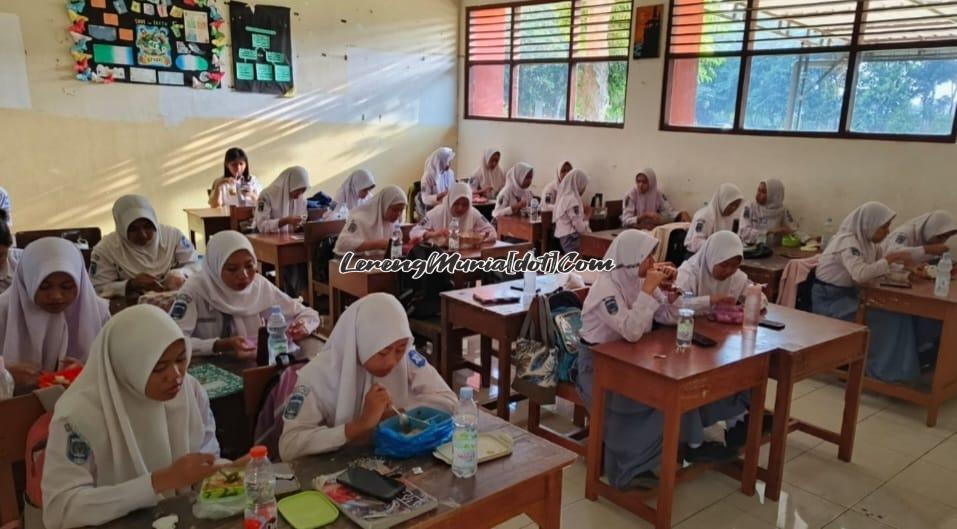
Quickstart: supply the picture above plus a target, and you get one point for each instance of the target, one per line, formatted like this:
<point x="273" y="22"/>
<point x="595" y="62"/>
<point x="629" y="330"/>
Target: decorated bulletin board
<point x="158" y="42"/>
<point x="262" y="48"/>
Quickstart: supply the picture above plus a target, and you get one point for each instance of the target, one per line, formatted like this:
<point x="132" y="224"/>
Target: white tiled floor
<point x="903" y="475"/>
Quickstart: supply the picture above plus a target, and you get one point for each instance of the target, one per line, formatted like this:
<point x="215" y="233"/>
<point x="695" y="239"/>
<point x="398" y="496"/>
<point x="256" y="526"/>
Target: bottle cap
<point x="465" y="393"/>
<point x="258" y="451"/>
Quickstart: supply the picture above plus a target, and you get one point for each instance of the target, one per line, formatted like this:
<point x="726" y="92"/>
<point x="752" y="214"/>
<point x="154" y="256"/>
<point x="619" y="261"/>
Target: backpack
<point x="675" y="253"/>
<point x="421" y="297"/>
<point x="566" y="313"/>
<point x="269" y="420"/>
<point x="325" y="252"/>
<point x="37" y="444"/>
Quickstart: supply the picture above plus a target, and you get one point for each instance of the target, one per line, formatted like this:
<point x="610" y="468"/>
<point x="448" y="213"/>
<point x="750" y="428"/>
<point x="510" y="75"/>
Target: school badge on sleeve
<point x="611" y="305"/>
<point x="416" y="358"/>
<point x="296" y="400"/>
<point x="77" y="449"/>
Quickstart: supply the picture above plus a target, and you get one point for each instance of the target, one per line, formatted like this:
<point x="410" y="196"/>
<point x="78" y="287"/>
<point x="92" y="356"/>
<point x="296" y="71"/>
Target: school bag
<point x="534" y="357"/>
<point x="269" y="420"/>
<point x="36" y="446"/>
<point x="325" y="252"/>
<point x="421" y="297"/>
<point x="566" y="313"/>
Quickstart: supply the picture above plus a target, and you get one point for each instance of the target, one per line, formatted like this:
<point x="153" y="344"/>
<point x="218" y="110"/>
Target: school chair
<point x="19" y="414"/>
<point x="314" y="235"/>
<point x="614" y="209"/>
<point x="91" y="235"/>
<point x="240" y="218"/>
<point x="415" y="208"/>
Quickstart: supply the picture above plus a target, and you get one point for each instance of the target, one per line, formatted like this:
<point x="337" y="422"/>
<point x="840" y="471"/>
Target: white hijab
<point x="570" y="192"/>
<point x="292" y="179"/>
<point x="697" y="271"/>
<point x="858" y="228"/>
<point x="441" y="215"/>
<point x="723" y="197"/>
<point x="32" y="335"/>
<point x="486" y="177"/>
<point x="369" y="217"/>
<point x="336" y="375"/>
<point x="348" y="193"/>
<point x="157" y="257"/>
<point x="926" y="227"/>
<point x="513" y="190"/>
<point x="8" y="268"/>
<point x="629" y="249"/>
<point x="130" y="434"/>
<point x="208" y="285"/>
<point x="433" y="167"/>
<point x="651" y="202"/>
<point x="773" y="210"/>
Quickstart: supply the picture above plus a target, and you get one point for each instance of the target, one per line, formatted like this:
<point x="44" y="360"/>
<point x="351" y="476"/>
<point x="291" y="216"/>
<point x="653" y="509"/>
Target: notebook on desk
<point x="496" y="295"/>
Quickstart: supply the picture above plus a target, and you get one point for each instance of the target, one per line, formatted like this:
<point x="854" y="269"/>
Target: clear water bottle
<point x="465" y="436"/>
<point x="827" y="233"/>
<point x="535" y="215"/>
<point x="278" y="342"/>
<point x="395" y="245"/>
<point x="685" y="322"/>
<point x="752" y="306"/>
<point x="454" y="234"/>
<point x="942" y="283"/>
<point x="260" y="485"/>
<point x="763" y="231"/>
<point x="6" y="382"/>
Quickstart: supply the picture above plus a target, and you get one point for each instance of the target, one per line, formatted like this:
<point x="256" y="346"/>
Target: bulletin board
<point x="157" y="42"/>
<point x="262" y="48"/>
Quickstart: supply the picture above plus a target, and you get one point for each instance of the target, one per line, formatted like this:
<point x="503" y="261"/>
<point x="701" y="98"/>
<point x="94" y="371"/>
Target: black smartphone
<point x="770" y="324"/>
<point x="702" y="340"/>
<point x="371" y="483"/>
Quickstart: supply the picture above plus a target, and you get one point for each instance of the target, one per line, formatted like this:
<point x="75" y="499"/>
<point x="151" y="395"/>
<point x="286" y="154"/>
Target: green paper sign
<point x="283" y="74"/>
<point x="261" y="41"/>
<point x="247" y="54"/>
<point x="245" y="71"/>
<point x="264" y="72"/>
<point x="275" y="58"/>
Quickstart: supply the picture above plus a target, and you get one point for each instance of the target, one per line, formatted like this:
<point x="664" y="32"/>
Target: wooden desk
<point x="523" y="229"/>
<point x="678" y="383"/>
<point x="499" y="322"/>
<point x="208" y="221"/>
<point x="768" y="271"/>
<point x="279" y="250"/>
<point x="919" y="301"/>
<point x="595" y="244"/>
<point x="355" y="284"/>
<point x="529" y="481"/>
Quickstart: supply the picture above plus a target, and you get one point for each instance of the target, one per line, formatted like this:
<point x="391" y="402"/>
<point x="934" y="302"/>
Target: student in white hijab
<point x="457" y="204"/>
<point x="438" y="177"/>
<point x="370" y="226"/>
<point x="132" y="429"/>
<point x="282" y="205"/>
<point x="646" y="207"/>
<point x="899" y="344"/>
<point x="222" y="308"/>
<point x="766" y="213"/>
<point x="142" y="255"/>
<point x="713" y="275"/>
<point x="550" y="193"/>
<point x="489" y="178"/>
<point x="924" y="238"/>
<point x="51" y="314"/>
<point x="570" y="218"/>
<point x="9" y="256"/>
<point x="721" y="214"/>
<point x="517" y="193"/>
<point x="362" y="371"/>
<point x="356" y="189"/>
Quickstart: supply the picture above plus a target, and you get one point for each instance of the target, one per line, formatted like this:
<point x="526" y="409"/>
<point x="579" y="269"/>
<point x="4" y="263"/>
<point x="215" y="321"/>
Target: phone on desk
<point x="771" y="324"/>
<point x="702" y="341"/>
<point x="371" y="483"/>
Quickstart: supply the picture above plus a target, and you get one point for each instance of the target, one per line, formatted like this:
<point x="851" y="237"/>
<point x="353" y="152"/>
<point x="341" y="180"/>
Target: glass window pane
<point x="796" y="92"/>
<point x="488" y="90"/>
<point x="785" y="24"/>
<point x="905" y="92"/>
<point x="704" y="26"/>
<point x="703" y="92"/>
<point x="599" y="89"/>
<point x="540" y="91"/>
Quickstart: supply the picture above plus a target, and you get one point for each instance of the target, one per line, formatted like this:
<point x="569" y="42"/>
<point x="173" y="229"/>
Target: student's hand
<point x="936" y="249"/>
<point x="24" y="374"/>
<point x="292" y="220"/>
<point x="382" y="244"/>
<point x="297" y="331"/>
<point x="184" y="472"/>
<point x="441" y="196"/>
<point x="673" y="296"/>
<point x="68" y="362"/>
<point x="174" y="282"/>
<point x="653" y="218"/>
<point x="437" y="234"/>
<point x="719" y="299"/>
<point x="652" y="279"/>
<point x="145" y="283"/>
<point x="376" y="402"/>
<point x="238" y="346"/>
<point x="898" y="257"/>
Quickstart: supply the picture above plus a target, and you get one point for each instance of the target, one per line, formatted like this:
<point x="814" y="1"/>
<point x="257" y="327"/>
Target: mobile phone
<point x="771" y="324"/>
<point x="371" y="483"/>
<point x="702" y="340"/>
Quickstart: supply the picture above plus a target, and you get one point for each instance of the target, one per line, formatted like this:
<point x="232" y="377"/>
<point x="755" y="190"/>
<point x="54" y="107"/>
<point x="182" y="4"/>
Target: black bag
<point x="324" y="253"/>
<point x="675" y="254"/>
<point x="802" y="300"/>
<point x="420" y="297"/>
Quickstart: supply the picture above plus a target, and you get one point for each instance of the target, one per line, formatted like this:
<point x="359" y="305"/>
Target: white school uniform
<point x="107" y="438"/>
<point x="569" y="216"/>
<point x="332" y="387"/>
<point x="439" y="217"/>
<point x="484" y="177"/>
<point x="8" y="268"/>
<point x="275" y="204"/>
<point x="348" y="193"/>
<point x="206" y="309"/>
<point x="367" y="223"/>
<point x="710" y="219"/>
<point x="115" y="260"/>
<point x="695" y="274"/>
<point x="769" y="216"/>
<point x="513" y="192"/>
<point x="914" y="234"/>
<point x="241" y="192"/>
<point x="637" y="204"/>
<point x="434" y="179"/>
<point x="550" y="193"/>
<point x="851" y="258"/>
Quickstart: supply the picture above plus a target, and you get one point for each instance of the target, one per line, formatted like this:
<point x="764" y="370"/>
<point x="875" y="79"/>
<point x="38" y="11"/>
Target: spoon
<point x="403" y="420"/>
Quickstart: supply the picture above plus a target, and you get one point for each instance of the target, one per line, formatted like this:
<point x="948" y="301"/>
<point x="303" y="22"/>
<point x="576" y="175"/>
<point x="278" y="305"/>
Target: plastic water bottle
<point x="260" y="485"/>
<point x="763" y="231"/>
<point x="6" y="382"/>
<point x="752" y="306"/>
<point x="278" y="342"/>
<point x="685" y="322"/>
<point x="454" y="234"/>
<point x="942" y="283"/>
<point x="465" y="436"/>
<point x="395" y="246"/>
<point x="827" y="233"/>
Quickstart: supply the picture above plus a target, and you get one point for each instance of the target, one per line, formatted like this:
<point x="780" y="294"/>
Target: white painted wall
<point x="376" y="87"/>
<point x="824" y="177"/>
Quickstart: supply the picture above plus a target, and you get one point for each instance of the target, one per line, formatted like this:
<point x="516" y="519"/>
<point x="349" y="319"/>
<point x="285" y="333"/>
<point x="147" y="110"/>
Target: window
<point x="843" y="68"/>
<point x="553" y="62"/>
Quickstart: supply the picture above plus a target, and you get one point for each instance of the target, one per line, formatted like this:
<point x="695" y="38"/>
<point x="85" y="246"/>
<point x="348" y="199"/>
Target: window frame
<point x="746" y="54"/>
<point x="569" y="61"/>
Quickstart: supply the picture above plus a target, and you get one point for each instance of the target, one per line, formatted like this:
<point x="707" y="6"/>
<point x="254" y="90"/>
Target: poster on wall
<point x="158" y="42"/>
<point x="648" y="32"/>
<point x="262" y="49"/>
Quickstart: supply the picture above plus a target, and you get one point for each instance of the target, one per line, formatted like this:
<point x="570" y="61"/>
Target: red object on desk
<point x="63" y="378"/>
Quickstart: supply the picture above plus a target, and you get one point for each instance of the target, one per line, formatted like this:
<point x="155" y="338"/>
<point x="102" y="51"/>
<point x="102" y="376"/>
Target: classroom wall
<point x="376" y="88"/>
<point x="824" y="177"/>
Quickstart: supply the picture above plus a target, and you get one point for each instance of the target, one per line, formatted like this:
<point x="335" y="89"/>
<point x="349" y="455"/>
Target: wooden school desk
<point x="529" y="481"/>
<point x="675" y="384"/>
<point x="919" y="301"/>
<point x="768" y="270"/>
<point x="595" y="244"/>
<point x="279" y="250"/>
<point x="523" y="229"/>
<point x="208" y="221"/>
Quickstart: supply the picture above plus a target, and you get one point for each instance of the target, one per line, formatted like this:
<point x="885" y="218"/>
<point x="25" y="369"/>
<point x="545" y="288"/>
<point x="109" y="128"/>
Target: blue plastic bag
<point x="431" y="428"/>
